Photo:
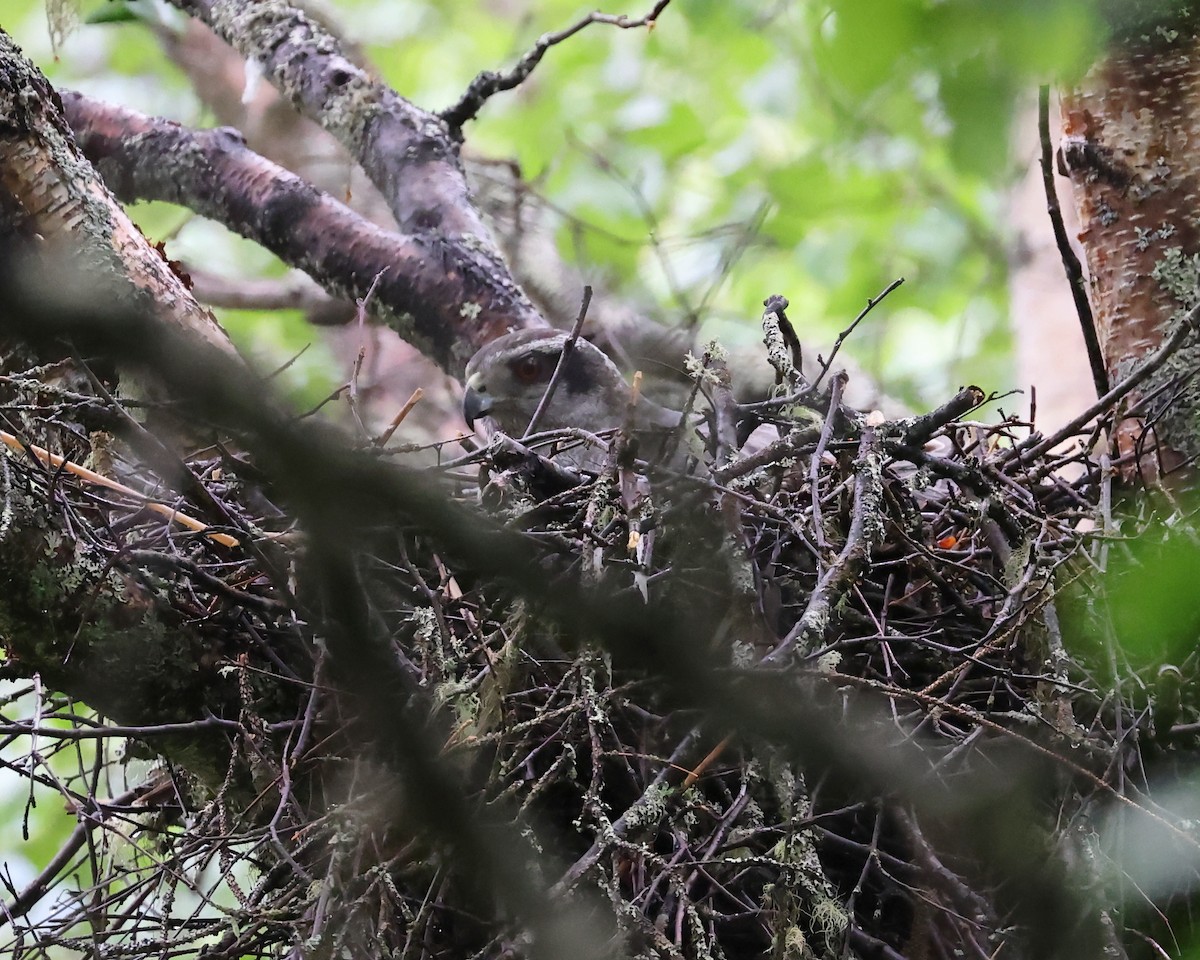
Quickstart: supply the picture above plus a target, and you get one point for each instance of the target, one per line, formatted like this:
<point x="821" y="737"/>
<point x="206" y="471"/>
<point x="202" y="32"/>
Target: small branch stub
<point x="783" y="346"/>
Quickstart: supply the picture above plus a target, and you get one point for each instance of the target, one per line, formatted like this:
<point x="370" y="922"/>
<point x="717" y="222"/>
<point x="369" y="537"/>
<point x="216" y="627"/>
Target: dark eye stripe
<point x="576" y="376"/>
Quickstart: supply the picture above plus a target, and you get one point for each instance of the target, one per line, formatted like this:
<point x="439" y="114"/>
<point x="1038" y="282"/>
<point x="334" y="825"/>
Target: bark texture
<point x="409" y="154"/>
<point x="54" y="192"/>
<point x="1131" y="145"/>
<point x="438" y="291"/>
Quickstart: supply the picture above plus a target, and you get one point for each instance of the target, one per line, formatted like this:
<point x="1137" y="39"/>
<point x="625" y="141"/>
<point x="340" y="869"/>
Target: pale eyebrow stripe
<point x="545" y="345"/>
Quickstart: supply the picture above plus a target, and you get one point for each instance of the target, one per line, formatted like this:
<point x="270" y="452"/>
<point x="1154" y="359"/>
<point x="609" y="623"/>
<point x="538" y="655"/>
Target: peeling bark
<point x="65" y="203"/>
<point x="441" y="293"/>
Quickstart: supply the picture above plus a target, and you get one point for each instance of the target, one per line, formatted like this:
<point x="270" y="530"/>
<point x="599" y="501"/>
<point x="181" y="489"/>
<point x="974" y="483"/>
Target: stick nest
<point x="739" y="710"/>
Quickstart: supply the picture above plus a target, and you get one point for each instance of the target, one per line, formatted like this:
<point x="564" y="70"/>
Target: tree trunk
<point x="1130" y="135"/>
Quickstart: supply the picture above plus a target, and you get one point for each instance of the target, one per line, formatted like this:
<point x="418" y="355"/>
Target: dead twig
<point x="812" y="625"/>
<point x="841" y="338"/>
<point x="488" y="83"/>
<point x="62" y="463"/>
<point x="413" y="399"/>
<point x="1071" y="265"/>
<point x="1033" y="449"/>
<point x="567" y="350"/>
<point x="836" y="387"/>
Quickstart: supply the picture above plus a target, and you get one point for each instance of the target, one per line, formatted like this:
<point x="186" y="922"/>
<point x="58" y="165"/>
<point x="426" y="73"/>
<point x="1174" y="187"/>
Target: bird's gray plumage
<point x="507" y="378"/>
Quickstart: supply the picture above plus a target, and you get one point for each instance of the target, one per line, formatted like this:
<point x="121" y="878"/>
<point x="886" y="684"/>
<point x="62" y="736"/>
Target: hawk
<point x="507" y="378"/>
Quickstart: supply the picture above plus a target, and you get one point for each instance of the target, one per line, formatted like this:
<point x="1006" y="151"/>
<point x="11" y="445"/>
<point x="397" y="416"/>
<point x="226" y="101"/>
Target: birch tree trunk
<point x="1131" y="146"/>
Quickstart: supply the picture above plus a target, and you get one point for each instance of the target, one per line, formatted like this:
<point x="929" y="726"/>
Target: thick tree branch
<point x="408" y="153"/>
<point x="441" y="292"/>
<point x="59" y="197"/>
<point x="296" y="291"/>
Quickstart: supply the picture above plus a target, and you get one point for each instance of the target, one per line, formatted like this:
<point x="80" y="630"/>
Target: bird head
<point x="507" y="378"/>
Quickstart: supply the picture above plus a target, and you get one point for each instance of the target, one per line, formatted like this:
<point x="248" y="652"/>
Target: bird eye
<point x="528" y="369"/>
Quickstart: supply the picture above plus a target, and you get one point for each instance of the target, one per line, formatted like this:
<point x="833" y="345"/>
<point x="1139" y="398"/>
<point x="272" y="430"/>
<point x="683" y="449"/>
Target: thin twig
<point x="601" y="156"/>
<point x="1028" y="451"/>
<point x="62" y="463"/>
<point x="924" y="427"/>
<point x="848" y="562"/>
<point x="1066" y="763"/>
<point x="505" y="453"/>
<point x="871" y="305"/>
<point x="43" y="883"/>
<point x="710" y="758"/>
<point x="412" y="401"/>
<point x="360" y="314"/>
<point x="567" y="349"/>
<point x="490" y="82"/>
<point x="836" y="386"/>
<point x="633" y="814"/>
<point x="871" y="860"/>
<point x="786" y="446"/>
<point x="130" y="732"/>
<point x="1071" y="265"/>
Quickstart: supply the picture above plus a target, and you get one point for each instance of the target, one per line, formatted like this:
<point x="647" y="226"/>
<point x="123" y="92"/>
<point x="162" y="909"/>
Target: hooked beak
<point x="476" y="403"/>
